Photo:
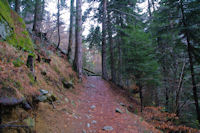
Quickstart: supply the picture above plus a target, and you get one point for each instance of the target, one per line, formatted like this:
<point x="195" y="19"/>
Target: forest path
<point x="97" y="109"/>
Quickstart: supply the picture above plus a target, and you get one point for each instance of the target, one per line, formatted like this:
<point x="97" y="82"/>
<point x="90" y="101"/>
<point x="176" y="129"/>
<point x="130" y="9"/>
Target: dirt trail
<point x="97" y="109"/>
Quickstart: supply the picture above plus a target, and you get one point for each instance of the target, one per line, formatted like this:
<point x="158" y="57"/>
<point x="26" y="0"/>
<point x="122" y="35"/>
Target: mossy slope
<point x="19" y="36"/>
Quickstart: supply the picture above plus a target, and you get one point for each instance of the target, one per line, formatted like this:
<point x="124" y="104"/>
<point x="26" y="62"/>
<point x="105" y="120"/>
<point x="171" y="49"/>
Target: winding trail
<point x="97" y="109"/>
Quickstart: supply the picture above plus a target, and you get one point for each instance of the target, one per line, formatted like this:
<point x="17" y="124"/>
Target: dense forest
<point x="149" y="49"/>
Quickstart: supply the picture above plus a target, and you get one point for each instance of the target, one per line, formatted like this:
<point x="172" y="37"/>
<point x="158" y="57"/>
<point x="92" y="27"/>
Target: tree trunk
<point x="78" y="51"/>
<point x="167" y="98"/>
<point x="104" y="69"/>
<point x="69" y="53"/>
<point x="149" y="8"/>
<point x="141" y="98"/>
<point x="1" y="118"/>
<point x="36" y="24"/>
<point x="189" y="50"/>
<point x="17" y="6"/>
<point x="112" y="65"/>
<point x="177" y="106"/>
<point x="153" y="5"/>
<point x="58" y="24"/>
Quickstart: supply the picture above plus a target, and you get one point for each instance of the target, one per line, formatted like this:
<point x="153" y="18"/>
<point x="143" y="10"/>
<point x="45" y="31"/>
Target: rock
<point x="5" y="30"/>
<point x="41" y="98"/>
<point x="91" y="85"/>
<point x="94" y="122"/>
<point x="51" y="97"/>
<point x="26" y="106"/>
<point x="67" y="85"/>
<point x="83" y="131"/>
<point x="10" y="101"/>
<point x="67" y="100"/>
<point x="88" y="116"/>
<point x="122" y="104"/>
<point x="93" y="107"/>
<point x="88" y="125"/>
<point x="108" y="128"/>
<point x="43" y="92"/>
<point x="118" y="110"/>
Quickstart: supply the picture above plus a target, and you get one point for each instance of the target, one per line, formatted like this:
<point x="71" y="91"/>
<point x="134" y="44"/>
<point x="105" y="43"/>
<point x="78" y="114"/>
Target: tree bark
<point x="17" y="6"/>
<point x="177" y="106"/>
<point x="78" y="51"/>
<point x="58" y="24"/>
<point x="36" y="24"/>
<point x="189" y="50"/>
<point x="104" y="69"/>
<point x="112" y="65"/>
<point x="141" y="97"/>
<point x="149" y="8"/>
<point x="69" y="53"/>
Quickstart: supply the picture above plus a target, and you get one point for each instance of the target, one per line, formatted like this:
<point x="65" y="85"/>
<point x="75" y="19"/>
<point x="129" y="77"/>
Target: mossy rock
<point x="17" y="34"/>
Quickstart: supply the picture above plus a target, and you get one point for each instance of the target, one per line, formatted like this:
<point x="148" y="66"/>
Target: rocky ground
<point x="97" y="109"/>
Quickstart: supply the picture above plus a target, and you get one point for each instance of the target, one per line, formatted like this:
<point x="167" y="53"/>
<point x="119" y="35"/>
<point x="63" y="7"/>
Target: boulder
<point x="67" y="85"/>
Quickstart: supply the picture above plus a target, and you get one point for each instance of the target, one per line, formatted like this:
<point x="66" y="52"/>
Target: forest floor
<point x="92" y="110"/>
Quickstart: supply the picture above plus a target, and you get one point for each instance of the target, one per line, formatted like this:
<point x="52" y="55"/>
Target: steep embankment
<point x="21" y="88"/>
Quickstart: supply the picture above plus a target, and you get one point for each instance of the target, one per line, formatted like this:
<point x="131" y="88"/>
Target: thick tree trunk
<point x="17" y="6"/>
<point x="69" y="53"/>
<point x="58" y="24"/>
<point x="78" y="51"/>
<point x="112" y="65"/>
<point x="36" y="23"/>
<point x="104" y="69"/>
<point x="189" y="50"/>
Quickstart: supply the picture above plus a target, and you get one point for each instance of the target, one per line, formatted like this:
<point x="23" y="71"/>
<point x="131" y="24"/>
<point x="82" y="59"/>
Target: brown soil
<point x="77" y="115"/>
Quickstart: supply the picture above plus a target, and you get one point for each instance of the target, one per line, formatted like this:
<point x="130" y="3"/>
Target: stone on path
<point x="91" y="85"/>
<point x="67" y="100"/>
<point x="94" y="122"/>
<point x="122" y="104"/>
<point x="88" y="125"/>
<point x="93" y="107"/>
<point x="118" y="110"/>
<point x="83" y="131"/>
<point x="108" y="128"/>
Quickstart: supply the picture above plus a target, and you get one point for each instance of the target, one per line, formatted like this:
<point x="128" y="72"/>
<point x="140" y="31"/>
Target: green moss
<point x="18" y="62"/>
<point x="32" y="78"/>
<point x="19" y="40"/>
<point x="18" y="85"/>
<point x="5" y="12"/>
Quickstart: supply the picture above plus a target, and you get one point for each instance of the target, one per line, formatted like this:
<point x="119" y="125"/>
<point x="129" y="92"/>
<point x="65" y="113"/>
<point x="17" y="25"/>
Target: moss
<point x="31" y="78"/>
<point x="19" y="36"/>
<point x="18" y="85"/>
<point x="18" y="62"/>
<point x="5" y="12"/>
